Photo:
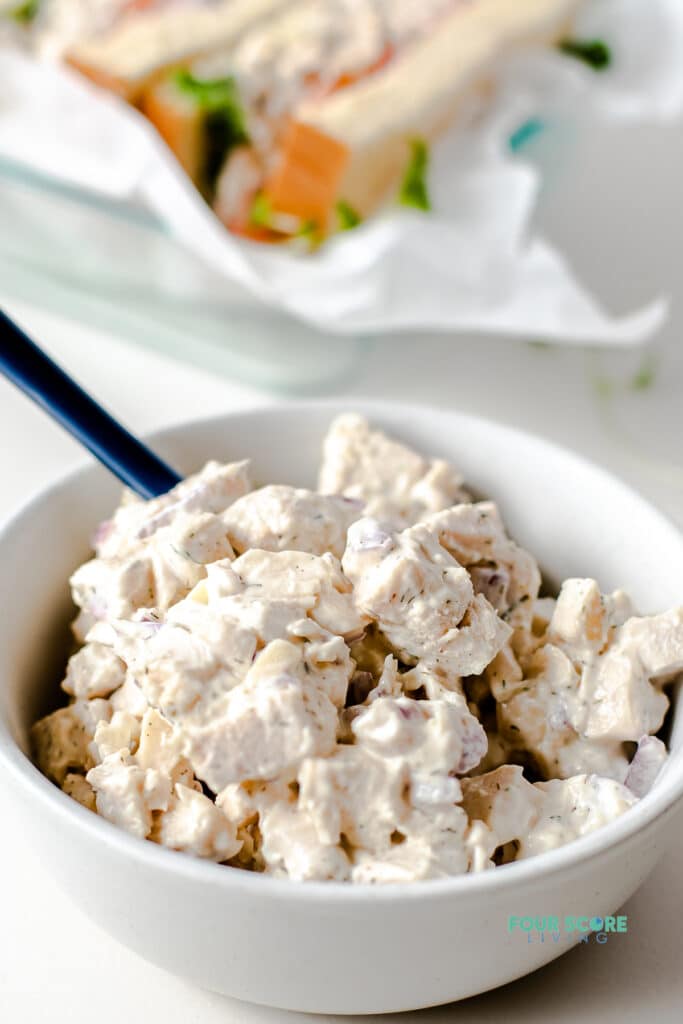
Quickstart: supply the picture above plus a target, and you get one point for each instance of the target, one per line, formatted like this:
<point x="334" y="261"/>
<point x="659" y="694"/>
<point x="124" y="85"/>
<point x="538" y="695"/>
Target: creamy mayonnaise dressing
<point x="358" y="683"/>
<point x="311" y="47"/>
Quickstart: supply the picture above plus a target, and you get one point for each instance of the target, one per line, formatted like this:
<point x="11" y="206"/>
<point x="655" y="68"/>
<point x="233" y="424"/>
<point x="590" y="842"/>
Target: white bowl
<point x="330" y="947"/>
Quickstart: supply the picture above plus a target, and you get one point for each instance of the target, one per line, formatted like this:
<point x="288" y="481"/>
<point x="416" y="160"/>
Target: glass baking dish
<point x="115" y="265"/>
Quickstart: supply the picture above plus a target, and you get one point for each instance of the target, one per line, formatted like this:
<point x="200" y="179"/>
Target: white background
<point x="56" y="966"/>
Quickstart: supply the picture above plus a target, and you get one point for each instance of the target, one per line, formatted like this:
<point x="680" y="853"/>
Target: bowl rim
<point x="658" y="804"/>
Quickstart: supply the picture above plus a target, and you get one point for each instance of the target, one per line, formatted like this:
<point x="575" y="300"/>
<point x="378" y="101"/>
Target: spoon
<point x="32" y="370"/>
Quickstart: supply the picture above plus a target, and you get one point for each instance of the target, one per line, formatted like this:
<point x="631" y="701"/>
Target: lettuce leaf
<point x="225" y="121"/>
<point x="593" y="52"/>
<point x="414" y="190"/>
<point x="347" y="217"/>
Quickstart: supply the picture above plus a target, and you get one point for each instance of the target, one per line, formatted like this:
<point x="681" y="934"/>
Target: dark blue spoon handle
<point x="27" y="366"/>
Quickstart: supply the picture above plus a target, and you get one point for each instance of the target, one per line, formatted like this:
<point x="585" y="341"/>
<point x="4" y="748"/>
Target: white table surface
<point x="55" y="965"/>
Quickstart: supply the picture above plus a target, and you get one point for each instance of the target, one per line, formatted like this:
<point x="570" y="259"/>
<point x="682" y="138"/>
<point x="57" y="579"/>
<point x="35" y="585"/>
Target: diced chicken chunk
<point x="152" y="553"/>
<point x="355" y="794"/>
<point x="61" y="741"/>
<point x="422" y="599"/>
<point x="431" y="844"/>
<point x="544" y="815"/>
<point x="572" y="808"/>
<point x="540" y="715"/>
<point x="211" y="491"/>
<point x="292" y="847"/>
<point x="593" y="687"/>
<point x="372" y="803"/>
<point x="160" y="746"/>
<point x="247" y="720"/>
<point x="583" y="620"/>
<point x="503" y="572"/>
<point x="94" y="671"/>
<point x="621" y="698"/>
<point x="193" y="824"/>
<point x="503" y="800"/>
<point x="394" y="482"/>
<point x="279" y="518"/>
<point x="121" y="732"/>
<point x="127" y="794"/>
<point x="175" y="662"/>
<point x="435" y="738"/>
<point x="313" y="583"/>
<point x="265" y="726"/>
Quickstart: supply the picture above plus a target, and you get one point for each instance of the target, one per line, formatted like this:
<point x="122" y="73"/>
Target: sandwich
<point x="301" y="117"/>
